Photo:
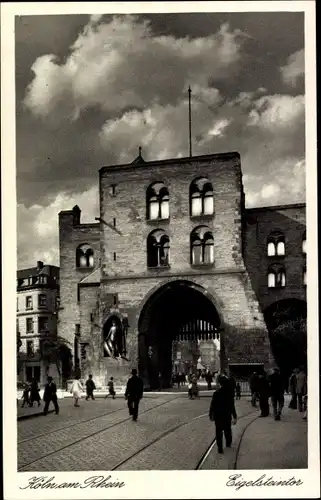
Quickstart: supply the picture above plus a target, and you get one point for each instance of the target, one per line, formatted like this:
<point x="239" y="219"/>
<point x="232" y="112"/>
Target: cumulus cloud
<point x="293" y="71"/>
<point x="38" y="237"/>
<point x="122" y="64"/>
<point x="277" y="112"/>
<point x="121" y="86"/>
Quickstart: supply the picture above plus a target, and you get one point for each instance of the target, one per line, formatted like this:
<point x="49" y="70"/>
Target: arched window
<point x="202" y="246"/>
<point x="276" y="244"/>
<point x="276" y="276"/>
<point x="304" y="244"/>
<point x="158" y="249"/>
<point x="157" y="200"/>
<point x="201" y="197"/>
<point x="84" y="256"/>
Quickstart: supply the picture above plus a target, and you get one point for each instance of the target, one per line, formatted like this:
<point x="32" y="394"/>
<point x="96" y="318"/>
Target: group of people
<point x="133" y="393"/>
<point x="264" y="387"/>
<point x="31" y="394"/>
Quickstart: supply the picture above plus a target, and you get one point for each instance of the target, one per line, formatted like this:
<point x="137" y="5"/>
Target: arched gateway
<point x="177" y="311"/>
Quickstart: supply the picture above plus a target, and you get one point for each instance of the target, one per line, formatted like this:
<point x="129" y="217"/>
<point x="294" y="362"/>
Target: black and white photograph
<point x="161" y="164"/>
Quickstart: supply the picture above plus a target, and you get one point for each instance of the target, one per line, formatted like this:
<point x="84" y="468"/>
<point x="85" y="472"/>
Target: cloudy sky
<point x="91" y="89"/>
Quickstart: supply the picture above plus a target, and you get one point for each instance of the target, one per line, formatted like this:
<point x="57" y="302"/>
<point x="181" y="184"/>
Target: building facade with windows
<point x="37" y="297"/>
<point x="169" y="260"/>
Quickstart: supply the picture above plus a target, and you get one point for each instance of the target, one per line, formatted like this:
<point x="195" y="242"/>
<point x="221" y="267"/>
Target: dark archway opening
<point x="286" y="323"/>
<point x="179" y="312"/>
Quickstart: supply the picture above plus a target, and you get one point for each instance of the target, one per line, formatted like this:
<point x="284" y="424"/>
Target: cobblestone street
<point x="172" y="433"/>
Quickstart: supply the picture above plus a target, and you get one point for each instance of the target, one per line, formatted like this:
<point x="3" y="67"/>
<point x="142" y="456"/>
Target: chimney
<point x="39" y="265"/>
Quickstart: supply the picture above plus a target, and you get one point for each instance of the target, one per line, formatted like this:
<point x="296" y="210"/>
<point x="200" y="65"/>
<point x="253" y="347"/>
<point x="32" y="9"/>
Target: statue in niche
<point x="115" y="338"/>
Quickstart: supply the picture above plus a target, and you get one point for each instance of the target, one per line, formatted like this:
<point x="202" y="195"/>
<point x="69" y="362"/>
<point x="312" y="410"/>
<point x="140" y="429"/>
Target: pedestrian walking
<point x="134" y="393"/>
<point x="90" y="388"/>
<point x="277" y="393"/>
<point x="264" y="394"/>
<point x="254" y="383"/>
<point x="193" y="390"/>
<point x="34" y="392"/>
<point x="50" y="394"/>
<point x="25" y="395"/>
<point x="209" y="380"/>
<point x="111" y="389"/>
<point x="292" y="390"/>
<point x="222" y="413"/>
<point x="76" y="390"/>
<point x="238" y="391"/>
<point x="301" y="387"/>
<point x="305" y="407"/>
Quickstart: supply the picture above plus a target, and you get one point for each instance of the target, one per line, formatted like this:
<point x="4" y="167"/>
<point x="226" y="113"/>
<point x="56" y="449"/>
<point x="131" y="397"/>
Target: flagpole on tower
<point x="190" y="120"/>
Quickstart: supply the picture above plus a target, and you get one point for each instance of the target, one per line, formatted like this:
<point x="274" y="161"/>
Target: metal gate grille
<point x="197" y="329"/>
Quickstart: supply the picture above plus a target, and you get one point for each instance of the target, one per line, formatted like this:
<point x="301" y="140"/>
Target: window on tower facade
<point x="201" y="197"/>
<point x="276" y="276"/>
<point x="157" y="201"/>
<point x="202" y="246"/>
<point x="276" y="244"/>
<point x="158" y="249"/>
<point x="84" y="256"/>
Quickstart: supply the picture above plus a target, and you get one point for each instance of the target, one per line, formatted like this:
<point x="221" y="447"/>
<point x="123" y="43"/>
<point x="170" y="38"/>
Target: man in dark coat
<point x="90" y="387"/>
<point x="134" y="393"/>
<point x="222" y="410"/>
<point x="34" y="392"/>
<point x="50" y="394"/>
<point x="277" y="393"/>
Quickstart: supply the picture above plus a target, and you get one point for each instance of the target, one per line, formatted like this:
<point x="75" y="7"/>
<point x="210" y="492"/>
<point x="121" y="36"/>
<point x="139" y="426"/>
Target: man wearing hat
<point x="222" y="410"/>
<point x="134" y="393"/>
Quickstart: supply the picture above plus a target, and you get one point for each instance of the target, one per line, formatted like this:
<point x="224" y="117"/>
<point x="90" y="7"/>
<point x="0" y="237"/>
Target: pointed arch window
<point x="276" y="244"/>
<point x="201" y="197"/>
<point x="202" y="246"/>
<point x="276" y="276"/>
<point x="158" y="249"/>
<point x="157" y="201"/>
<point x="84" y="256"/>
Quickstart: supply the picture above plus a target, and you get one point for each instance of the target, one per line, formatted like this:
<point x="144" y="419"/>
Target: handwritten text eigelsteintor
<point x="237" y="481"/>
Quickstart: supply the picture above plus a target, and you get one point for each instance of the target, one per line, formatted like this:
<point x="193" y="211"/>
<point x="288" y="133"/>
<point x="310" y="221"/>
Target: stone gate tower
<point x="165" y="260"/>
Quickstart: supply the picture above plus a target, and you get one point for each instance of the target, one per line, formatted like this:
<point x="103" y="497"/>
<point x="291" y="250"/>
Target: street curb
<point x="32" y="415"/>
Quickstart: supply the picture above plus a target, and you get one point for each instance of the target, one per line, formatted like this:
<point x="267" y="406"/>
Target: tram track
<point x="209" y="449"/>
<point x="70" y="425"/>
<point x="20" y="469"/>
<point x="157" y="439"/>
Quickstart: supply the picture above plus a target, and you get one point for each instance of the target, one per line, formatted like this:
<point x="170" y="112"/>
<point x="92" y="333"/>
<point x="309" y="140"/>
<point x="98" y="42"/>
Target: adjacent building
<point x="175" y="259"/>
<point x="37" y="304"/>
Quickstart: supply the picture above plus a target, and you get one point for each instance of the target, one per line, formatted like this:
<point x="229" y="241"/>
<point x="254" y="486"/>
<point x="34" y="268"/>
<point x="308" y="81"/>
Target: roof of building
<point x="91" y="278"/>
<point x="140" y="162"/>
<point x="46" y="270"/>
<point x="276" y="207"/>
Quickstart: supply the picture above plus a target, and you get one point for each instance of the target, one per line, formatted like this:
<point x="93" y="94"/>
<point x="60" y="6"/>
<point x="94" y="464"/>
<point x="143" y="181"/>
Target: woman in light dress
<point x="76" y="390"/>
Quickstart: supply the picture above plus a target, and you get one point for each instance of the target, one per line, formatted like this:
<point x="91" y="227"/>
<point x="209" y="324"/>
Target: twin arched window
<point x="158" y="249"/>
<point x="157" y="201"/>
<point x="201" y="197"/>
<point x="276" y="276"/>
<point x="84" y="256"/>
<point x="276" y="244"/>
<point x="202" y="246"/>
